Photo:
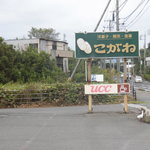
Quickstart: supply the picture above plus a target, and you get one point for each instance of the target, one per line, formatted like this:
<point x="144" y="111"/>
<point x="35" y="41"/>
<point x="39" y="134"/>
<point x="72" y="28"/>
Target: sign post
<point x="125" y="81"/>
<point x="89" y="63"/>
<point x="107" y="45"/>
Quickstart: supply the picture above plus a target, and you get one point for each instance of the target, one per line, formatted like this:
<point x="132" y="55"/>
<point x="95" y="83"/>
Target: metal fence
<point x="24" y="96"/>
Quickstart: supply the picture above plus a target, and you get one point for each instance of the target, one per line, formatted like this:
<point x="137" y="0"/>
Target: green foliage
<point x="137" y="61"/>
<point x="147" y="70"/>
<point x="137" y="66"/>
<point x="147" y="73"/>
<point x="108" y="74"/>
<point x="7" y="62"/>
<point x="27" y="66"/>
<point x="147" y="77"/>
<point x="46" y="33"/>
<point x="80" y="72"/>
<point x="58" y="94"/>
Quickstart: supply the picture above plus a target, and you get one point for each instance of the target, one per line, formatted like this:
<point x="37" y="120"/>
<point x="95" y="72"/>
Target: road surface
<point x="72" y="128"/>
<point x="145" y="86"/>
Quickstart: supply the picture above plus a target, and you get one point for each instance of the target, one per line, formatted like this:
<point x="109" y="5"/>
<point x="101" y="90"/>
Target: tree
<point x="27" y="66"/>
<point x="46" y="33"/>
<point x="7" y="62"/>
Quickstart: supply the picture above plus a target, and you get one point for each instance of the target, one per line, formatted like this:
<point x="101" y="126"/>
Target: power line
<point x="126" y="18"/>
<point x="134" y="20"/>
<point x="109" y="20"/>
<point x="123" y="5"/>
<point x="102" y="16"/>
<point x="78" y="62"/>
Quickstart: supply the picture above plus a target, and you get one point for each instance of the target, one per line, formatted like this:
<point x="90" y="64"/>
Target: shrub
<point x="147" y="77"/>
<point x="59" y="94"/>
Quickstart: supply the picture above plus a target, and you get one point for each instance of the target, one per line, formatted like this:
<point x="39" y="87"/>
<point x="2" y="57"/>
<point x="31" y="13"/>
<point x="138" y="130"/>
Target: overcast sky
<point x="70" y="16"/>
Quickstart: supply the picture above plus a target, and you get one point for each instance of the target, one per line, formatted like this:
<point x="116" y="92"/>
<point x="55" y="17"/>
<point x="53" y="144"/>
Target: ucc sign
<point x="107" y="88"/>
<point x="107" y="44"/>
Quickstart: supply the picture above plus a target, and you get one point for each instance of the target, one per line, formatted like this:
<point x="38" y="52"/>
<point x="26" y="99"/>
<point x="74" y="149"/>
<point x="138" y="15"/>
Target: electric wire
<point x="108" y="20"/>
<point x="134" y="20"/>
<point x="138" y="6"/>
<point x="129" y="25"/>
<point x="123" y="5"/>
<point x="102" y="16"/>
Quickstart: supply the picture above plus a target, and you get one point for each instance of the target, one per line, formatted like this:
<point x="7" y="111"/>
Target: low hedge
<point x="60" y="94"/>
<point x="147" y="77"/>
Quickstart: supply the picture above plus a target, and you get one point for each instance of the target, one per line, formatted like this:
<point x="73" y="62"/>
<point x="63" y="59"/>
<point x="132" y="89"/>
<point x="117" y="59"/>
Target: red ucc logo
<point x="123" y="88"/>
<point x="100" y="88"/>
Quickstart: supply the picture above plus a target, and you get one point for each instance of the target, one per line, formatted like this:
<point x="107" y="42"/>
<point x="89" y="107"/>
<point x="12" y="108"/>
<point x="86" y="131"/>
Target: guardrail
<point x="24" y="96"/>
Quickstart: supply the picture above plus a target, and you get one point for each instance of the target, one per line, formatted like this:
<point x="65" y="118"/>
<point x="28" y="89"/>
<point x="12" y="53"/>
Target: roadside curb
<point x="145" y="112"/>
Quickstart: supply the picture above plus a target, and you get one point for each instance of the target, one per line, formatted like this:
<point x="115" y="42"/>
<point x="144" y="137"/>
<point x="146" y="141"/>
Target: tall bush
<point x="27" y="66"/>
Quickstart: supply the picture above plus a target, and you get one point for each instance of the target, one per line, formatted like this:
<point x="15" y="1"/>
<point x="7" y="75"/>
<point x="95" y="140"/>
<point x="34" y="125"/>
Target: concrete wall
<point x="65" y="65"/>
<point x="47" y="46"/>
<point x="148" y="63"/>
<point x="22" y="44"/>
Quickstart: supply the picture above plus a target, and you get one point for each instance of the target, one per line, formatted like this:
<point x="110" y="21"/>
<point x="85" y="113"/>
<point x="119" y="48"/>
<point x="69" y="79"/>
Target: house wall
<point x="148" y="63"/>
<point x="62" y="46"/>
<point x="54" y="48"/>
<point x="22" y="44"/>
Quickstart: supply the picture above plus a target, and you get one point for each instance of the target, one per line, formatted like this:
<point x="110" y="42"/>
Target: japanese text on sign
<point x="107" y="44"/>
<point x="114" y="48"/>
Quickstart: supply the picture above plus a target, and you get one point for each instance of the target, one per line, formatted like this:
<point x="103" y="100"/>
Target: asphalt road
<point x="145" y="85"/>
<point x="72" y="128"/>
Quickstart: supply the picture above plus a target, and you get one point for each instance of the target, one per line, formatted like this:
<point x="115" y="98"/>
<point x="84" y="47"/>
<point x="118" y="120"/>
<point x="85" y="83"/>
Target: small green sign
<point x="107" y="44"/>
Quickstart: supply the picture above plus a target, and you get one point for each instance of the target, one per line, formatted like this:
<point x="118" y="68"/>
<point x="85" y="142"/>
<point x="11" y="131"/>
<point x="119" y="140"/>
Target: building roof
<point x="37" y="39"/>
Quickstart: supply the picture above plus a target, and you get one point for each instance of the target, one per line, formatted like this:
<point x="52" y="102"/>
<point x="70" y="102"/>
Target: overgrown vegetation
<point x="80" y="72"/>
<point x="59" y="94"/>
<point x="139" y="64"/>
<point x="30" y="76"/>
<point x="27" y="66"/>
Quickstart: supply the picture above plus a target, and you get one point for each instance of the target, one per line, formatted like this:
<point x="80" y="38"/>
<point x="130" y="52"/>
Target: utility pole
<point x="125" y="81"/>
<point x="117" y="29"/>
<point x="110" y="27"/>
<point x="118" y="60"/>
<point x="102" y="16"/>
<point x="143" y="37"/>
<point x="144" y="53"/>
<point x="117" y="15"/>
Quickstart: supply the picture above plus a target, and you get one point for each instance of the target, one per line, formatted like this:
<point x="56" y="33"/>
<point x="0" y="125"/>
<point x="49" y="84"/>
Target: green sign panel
<point x="107" y="44"/>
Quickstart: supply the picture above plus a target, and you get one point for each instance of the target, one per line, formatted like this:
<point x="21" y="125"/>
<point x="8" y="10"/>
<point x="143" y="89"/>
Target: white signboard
<point x="101" y="89"/>
<point x="107" y="88"/>
<point x="97" y="77"/>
